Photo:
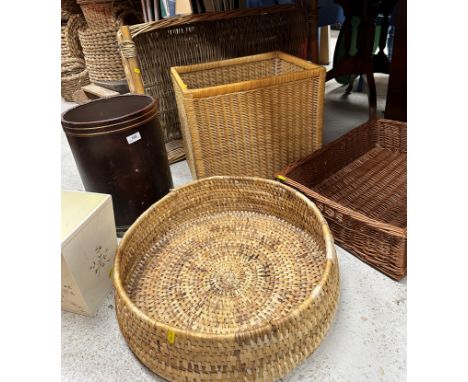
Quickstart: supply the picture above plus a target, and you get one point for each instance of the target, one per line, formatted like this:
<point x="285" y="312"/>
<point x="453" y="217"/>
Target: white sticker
<point x="133" y="138"/>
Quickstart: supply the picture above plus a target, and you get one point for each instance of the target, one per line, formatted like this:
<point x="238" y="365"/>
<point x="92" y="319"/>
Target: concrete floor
<point x="366" y="342"/>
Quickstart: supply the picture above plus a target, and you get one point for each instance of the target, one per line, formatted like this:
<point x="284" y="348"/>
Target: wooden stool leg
<point x="324" y="45"/>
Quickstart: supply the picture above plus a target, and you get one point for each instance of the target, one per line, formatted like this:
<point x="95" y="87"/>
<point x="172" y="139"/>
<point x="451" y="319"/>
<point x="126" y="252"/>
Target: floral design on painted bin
<point x="67" y="290"/>
<point x="100" y="261"/>
<point x="67" y="299"/>
<point x="76" y="307"/>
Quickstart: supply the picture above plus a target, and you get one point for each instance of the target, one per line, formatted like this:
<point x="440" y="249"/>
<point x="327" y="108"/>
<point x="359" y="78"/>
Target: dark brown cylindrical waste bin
<point x="119" y="149"/>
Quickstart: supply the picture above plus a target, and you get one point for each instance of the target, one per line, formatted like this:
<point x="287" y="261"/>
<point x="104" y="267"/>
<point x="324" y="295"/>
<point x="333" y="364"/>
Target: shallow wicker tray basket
<point x="359" y="183"/>
<point x="226" y="279"/>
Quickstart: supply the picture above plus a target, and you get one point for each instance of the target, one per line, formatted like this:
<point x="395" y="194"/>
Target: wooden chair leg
<point x="360" y="85"/>
<point x="372" y="96"/>
<point x="330" y="75"/>
<point x="349" y="89"/>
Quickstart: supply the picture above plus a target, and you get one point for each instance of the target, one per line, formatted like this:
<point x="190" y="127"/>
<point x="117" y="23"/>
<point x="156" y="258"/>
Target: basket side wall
<point x="313" y="169"/>
<point x="184" y="111"/>
<point x="391" y="135"/>
<point x="383" y="251"/>
<point x="101" y="53"/>
<point x="265" y="357"/>
<point x="255" y="132"/>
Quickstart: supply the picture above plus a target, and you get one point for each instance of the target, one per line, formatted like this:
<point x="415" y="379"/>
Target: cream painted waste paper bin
<point x="89" y="243"/>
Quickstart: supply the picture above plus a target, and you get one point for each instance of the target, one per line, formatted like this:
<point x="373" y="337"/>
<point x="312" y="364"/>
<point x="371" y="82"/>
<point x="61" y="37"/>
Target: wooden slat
<point x="99" y="91"/>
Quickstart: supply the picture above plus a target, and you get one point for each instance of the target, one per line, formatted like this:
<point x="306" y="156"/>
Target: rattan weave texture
<point x="249" y="116"/>
<point x="359" y="183"/>
<point x="208" y="37"/>
<point x="227" y="278"/>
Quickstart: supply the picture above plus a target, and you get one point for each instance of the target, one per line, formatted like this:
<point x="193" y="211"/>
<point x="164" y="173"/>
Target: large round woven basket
<point x="227" y="279"/>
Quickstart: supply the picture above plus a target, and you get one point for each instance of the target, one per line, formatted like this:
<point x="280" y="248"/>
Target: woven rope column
<point x="101" y="53"/>
<point x="99" y="37"/>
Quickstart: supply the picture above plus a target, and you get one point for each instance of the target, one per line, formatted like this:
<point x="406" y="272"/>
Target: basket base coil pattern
<point x="219" y="282"/>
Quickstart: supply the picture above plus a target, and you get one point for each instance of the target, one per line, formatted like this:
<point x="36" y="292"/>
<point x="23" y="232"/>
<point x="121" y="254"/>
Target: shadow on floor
<point x="344" y="112"/>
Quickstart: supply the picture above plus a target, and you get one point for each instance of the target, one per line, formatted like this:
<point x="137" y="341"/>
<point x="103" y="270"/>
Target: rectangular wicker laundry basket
<point x="359" y="183"/>
<point x="249" y="116"/>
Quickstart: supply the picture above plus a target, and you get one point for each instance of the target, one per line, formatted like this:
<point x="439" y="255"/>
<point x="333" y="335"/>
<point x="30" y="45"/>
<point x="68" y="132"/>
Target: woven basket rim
<point x="378" y="224"/>
<point x="92" y="2"/>
<point x="308" y="70"/>
<point x="331" y="260"/>
<point x="73" y="77"/>
<point x="387" y="228"/>
<point x="182" y="20"/>
<point x="88" y="31"/>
